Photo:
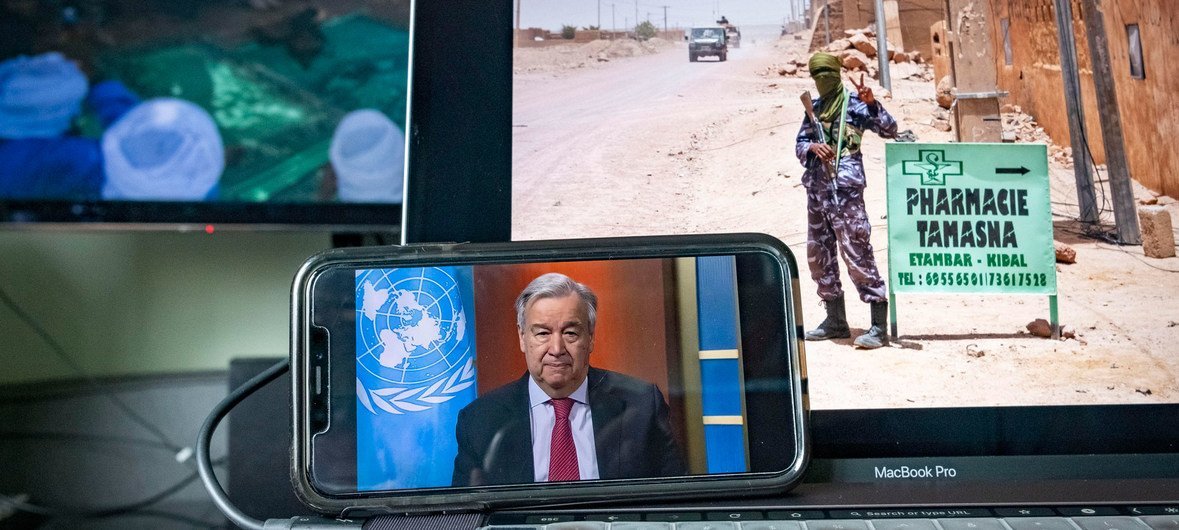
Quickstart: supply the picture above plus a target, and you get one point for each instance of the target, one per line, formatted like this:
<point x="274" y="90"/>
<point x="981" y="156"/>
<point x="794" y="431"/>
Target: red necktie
<point x="562" y="452"/>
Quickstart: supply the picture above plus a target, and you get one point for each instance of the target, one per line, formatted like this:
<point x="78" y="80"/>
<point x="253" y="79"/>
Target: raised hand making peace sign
<point x="865" y="93"/>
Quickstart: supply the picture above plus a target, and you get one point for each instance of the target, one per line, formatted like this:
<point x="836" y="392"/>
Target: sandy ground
<point x="648" y="143"/>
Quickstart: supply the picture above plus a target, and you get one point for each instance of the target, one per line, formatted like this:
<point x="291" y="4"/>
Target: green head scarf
<point x="825" y="69"/>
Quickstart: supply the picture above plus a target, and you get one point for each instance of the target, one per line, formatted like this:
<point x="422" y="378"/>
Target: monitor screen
<point x="216" y="112"/>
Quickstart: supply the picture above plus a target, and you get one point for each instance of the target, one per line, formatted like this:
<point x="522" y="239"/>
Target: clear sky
<point x="552" y="14"/>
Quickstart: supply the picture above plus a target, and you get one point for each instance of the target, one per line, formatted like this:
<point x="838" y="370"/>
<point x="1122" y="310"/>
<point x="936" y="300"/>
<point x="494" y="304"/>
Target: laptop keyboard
<point x="1017" y="518"/>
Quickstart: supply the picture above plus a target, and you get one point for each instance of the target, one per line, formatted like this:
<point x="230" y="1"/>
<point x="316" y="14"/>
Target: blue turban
<point x="163" y="149"/>
<point x="39" y="96"/>
<point x="368" y="156"/>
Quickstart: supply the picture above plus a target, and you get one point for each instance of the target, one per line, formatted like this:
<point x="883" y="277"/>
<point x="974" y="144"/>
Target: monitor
<point x="209" y="114"/>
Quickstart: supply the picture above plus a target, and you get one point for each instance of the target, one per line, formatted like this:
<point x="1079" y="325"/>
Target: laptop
<point x="944" y="429"/>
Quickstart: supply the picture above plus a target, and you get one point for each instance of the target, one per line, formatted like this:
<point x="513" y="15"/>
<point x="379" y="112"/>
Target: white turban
<point x="368" y="156"/>
<point x="39" y="96"/>
<point x="163" y="149"/>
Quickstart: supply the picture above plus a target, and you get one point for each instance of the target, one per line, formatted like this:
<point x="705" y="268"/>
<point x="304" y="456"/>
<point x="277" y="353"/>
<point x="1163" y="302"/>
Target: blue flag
<point x="415" y="370"/>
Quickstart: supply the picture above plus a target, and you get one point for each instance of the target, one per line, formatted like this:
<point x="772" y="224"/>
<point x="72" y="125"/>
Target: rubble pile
<point x="793" y="67"/>
<point x="1026" y="130"/>
<point x="858" y="53"/>
<point x="940" y="120"/>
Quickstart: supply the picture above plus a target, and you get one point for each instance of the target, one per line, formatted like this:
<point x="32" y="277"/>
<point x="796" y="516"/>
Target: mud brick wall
<point x="1147" y="105"/>
<point x="915" y="16"/>
<point x="1034" y="78"/>
<point x="1150" y="121"/>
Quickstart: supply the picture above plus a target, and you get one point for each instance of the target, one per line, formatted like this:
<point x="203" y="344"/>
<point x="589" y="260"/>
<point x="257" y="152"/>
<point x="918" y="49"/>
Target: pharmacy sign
<point x="969" y="218"/>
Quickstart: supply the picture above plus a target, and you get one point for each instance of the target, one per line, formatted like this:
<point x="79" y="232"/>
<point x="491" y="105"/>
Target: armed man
<point x="834" y="181"/>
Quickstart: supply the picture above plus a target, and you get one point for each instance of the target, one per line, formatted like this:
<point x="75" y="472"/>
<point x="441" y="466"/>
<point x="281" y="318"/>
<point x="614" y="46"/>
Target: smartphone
<point x="433" y="378"/>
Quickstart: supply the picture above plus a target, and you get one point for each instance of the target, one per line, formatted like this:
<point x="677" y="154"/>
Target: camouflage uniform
<point x="835" y="214"/>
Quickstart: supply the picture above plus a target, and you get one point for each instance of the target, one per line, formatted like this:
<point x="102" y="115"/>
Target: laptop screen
<point x="627" y="120"/>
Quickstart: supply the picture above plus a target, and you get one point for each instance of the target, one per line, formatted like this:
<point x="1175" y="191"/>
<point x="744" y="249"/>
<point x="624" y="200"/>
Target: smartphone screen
<point x="449" y="375"/>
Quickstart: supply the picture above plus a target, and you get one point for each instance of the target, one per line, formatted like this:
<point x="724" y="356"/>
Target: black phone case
<point x="439" y="500"/>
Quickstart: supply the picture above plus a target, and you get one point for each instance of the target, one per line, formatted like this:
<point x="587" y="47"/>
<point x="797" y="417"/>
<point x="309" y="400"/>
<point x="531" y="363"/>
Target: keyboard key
<point x="577" y="525"/>
<point x="1161" y="522"/>
<point x="771" y="525"/>
<point x="1039" y="523"/>
<point x="640" y="526"/>
<point x="971" y="524"/>
<point x="707" y="525"/>
<point x="903" y="524"/>
<point x="1110" y="523"/>
<point x="837" y="524"/>
<point x="547" y="519"/>
<point x="511" y="527"/>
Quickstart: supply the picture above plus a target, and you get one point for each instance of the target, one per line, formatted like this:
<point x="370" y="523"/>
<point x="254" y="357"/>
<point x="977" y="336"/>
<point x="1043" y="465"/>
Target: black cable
<point x="209" y="478"/>
<point x="205" y="467"/>
<point x="77" y="368"/>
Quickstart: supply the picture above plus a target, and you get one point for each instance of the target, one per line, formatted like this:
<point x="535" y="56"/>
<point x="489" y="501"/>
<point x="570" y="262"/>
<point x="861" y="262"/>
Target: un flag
<point x="415" y="370"/>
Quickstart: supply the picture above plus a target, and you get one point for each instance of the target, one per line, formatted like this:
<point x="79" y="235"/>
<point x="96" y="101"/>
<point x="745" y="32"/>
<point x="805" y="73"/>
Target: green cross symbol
<point x="932" y="166"/>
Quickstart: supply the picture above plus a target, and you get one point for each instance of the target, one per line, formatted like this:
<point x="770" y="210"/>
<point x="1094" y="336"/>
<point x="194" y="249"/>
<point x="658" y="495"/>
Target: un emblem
<point x="413" y="348"/>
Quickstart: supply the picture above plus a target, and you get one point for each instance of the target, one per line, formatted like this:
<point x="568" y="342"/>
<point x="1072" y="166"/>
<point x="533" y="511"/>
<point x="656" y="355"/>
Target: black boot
<point x="877" y="335"/>
<point x="835" y="325"/>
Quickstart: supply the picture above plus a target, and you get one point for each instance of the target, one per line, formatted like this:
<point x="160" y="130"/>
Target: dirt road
<point x="655" y="144"/>
<point x="586" y="145"/>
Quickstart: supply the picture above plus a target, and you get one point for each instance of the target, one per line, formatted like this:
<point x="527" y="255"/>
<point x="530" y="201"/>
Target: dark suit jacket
<point x="632" y="434"/>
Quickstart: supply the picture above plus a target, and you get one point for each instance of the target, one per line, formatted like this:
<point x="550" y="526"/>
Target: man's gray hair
<point x="556" y="285"/>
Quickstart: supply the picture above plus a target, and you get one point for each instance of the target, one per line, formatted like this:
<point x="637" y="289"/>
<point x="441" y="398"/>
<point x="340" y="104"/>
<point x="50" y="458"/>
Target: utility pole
<point x="664" y="18"/>
<point x="976" y="108"/>
<point x="882" y="47"/>
<point x="1125" y="211"/>
<point x="827" y="20"/>
<point x="516" y="37"/>
<point x="613" y="22"/>
<point x="636" y="19"/>
<point x="599" y="15"/>
<point x="1086" y="198"/>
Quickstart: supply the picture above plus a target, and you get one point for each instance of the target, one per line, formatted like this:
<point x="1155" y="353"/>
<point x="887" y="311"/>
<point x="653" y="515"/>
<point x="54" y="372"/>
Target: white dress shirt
<point x="542" y="417"/>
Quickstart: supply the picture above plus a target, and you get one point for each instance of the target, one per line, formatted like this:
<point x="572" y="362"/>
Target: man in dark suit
<point x="564" y="420"/>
